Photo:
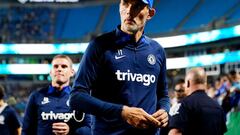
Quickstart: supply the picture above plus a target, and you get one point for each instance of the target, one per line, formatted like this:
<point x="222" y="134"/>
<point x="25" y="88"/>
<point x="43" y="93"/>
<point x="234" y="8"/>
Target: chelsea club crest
<point x="151" y="59"/>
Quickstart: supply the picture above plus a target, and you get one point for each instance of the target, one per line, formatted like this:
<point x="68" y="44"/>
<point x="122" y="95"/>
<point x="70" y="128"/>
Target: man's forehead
<point x="188" y="77"/>
<point x="60" y="62"/>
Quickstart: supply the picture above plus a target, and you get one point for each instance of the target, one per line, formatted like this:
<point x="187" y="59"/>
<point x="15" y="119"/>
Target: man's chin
<point x="60" y="82"/>
<point x="130" y="28"/>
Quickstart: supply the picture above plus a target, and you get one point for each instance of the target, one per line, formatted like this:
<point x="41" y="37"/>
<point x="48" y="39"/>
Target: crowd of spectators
<point x="26" y="25"/>
<point x="226" y="91"/>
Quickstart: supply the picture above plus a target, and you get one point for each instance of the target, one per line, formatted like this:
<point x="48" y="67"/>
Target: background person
<point x="197" y="114"/>
<point x="48" y="111"/>
<point x="179" y="91"/>
<point x="9" y="120"/>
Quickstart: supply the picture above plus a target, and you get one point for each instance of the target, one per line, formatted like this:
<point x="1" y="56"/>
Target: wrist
<point x="123" y="113"/>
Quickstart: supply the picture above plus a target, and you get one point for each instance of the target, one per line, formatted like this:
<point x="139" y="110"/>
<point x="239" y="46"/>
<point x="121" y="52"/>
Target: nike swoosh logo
<point x="119" y="57"/>
<point x="45" y="102"/>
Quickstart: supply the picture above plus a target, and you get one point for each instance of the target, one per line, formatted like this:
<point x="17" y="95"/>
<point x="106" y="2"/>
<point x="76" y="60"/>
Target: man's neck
<point x="198" y="87"/>
<point x="59" y="86"/>
<point x="2" y="102"/>
<point x="136" y="35"/>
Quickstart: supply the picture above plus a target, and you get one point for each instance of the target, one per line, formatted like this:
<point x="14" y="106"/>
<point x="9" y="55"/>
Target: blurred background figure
<point x="235" y="90"/>
<point x="197" y="113"/>
<point x="9" y="120"/>
<point x="179" y="91"/>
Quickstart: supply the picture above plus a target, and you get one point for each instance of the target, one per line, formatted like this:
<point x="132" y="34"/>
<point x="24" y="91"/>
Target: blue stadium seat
<point x="76" y="22"/>
<point x="3" y="13"/>
<point x="112" y="18"/>
<point x="235" y="17"/>
<point x="209" y="10"/>
<point x="168" y="14"/>
<point x="26" y="24"/>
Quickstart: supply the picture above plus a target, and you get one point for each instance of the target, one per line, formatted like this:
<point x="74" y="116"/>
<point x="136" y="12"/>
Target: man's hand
<point x="162" y="116"/>
<point x="60" y="128"/>
<point x="138" y="118"/>
<point x="175" y="131"/>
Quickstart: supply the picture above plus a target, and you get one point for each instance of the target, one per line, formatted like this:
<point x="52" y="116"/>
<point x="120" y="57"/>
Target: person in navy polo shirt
<point x="125" y="71"/>
<point x="197" y="114"/>
<point x="48" y="112"/>
<point x="9" y="120"/>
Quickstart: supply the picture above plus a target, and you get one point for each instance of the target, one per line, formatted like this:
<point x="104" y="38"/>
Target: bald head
<point x="196" y="79"/>
<point x="197" y="75"/>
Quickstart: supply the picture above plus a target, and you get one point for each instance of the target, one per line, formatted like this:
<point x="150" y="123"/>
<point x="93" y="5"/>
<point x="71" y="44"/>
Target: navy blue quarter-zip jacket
<point x="118" y="71"/>
<point x="49" y="105"/>
<point x="9" y="121"/>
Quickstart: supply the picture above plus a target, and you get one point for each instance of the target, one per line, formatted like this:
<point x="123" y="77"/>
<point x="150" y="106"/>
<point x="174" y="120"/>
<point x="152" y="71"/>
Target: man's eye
<point x="64" y="66"/>
<point x="125" y="2"/>
<point x="139" y="6"/>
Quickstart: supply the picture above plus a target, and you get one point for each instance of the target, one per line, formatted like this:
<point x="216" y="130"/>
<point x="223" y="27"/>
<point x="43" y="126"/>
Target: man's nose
<point x="59" y="68"/>
<point x="132" y="10"/>
<point x="128" y="9"/>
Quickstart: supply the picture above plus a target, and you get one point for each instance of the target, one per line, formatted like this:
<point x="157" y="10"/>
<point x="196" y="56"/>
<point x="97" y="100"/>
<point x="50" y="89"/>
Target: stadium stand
<point x="46" y="23"/>
<point x="112" y="15"/>
<point x="25" y="25"/>
<point x="234" y="16"/>
<point x="169" y="14"/>
<point x="208" y="11"/>
<point x="76" y="23"/>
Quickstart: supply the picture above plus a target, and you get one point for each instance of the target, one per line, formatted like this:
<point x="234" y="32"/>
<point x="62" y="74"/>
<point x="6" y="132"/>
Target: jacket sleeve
<point x="30" y="117"/>
<point x="87" y="74"/>
<point x="14" y="120"/>
<point x="162" y="90"/>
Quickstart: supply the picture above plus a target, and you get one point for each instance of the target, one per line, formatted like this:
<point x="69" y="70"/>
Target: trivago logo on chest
<point x="146" y="79"/>
<point x="60" y="116"/>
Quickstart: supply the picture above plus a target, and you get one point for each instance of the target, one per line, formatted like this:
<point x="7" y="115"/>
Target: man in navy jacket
<point x="197" y="114"/>
<point x="125" y="71"/>
<point x="48" y="112"/>
<point x="9" y="120"/>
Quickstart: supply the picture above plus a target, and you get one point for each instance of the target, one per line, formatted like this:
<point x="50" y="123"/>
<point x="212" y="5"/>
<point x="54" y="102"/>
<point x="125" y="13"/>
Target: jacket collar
<point x="65" y="89"/>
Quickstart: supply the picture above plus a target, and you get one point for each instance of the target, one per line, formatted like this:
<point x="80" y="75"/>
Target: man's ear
<point x="152" y="12"/>
<point x="72" y="72"/>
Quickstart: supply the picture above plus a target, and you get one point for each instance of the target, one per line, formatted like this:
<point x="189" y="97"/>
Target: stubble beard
<point x="59" y="81"/>
<point x="130" y="28"/>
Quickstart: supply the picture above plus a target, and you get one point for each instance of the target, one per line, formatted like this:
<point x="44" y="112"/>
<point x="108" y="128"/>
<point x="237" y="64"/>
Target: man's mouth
<point x="129" y="21"/>
<point x="59" y="75"/>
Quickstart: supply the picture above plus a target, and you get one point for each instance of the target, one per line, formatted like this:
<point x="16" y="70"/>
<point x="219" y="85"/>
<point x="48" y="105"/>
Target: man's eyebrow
<point x="60" y="64"/>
